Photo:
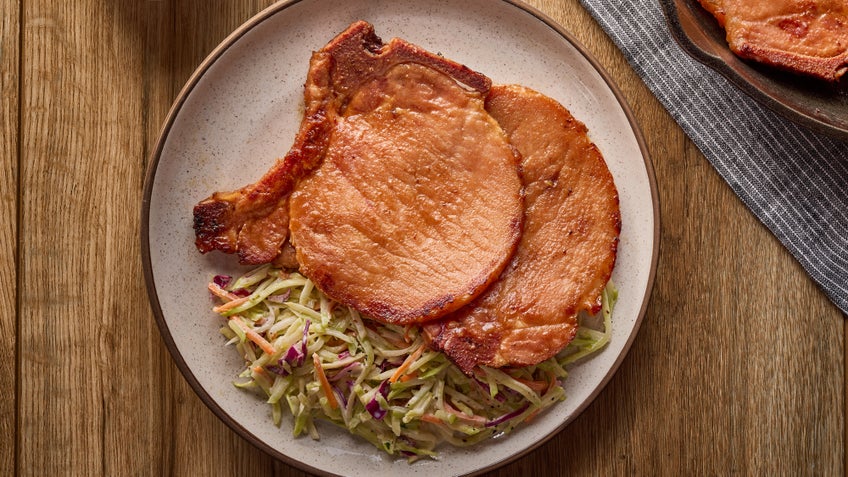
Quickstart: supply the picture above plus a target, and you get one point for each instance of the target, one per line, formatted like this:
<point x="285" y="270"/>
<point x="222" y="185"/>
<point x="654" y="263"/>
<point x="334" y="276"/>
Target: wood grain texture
<point x="739" y="366"/>
<point x="82" y="333"/>
<point x="9" y="103"/>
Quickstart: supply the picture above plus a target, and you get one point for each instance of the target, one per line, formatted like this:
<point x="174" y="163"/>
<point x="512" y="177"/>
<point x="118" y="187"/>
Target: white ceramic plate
<point x="240" y="111"/>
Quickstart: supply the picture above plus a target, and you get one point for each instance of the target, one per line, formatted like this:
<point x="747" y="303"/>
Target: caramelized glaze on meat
<point x="567" y="250"/>
<point x="253" y="221"/>
<point x="417" y="205"/>
<point x="804" y="36"/>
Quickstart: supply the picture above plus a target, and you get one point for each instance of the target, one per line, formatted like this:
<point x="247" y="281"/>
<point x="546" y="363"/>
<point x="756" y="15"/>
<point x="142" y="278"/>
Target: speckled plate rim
<point x="736" y="71"/>
<point x="150" y="279"/>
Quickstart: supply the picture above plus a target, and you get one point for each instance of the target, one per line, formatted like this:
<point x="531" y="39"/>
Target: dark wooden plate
<point x="815" y="104"/>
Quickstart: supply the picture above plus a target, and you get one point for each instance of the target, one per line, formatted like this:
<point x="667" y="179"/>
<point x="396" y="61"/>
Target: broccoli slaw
<point x="313" y="358"/>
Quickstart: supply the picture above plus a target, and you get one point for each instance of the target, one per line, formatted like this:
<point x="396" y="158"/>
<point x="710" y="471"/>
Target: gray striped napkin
<point x="793" y="180"/>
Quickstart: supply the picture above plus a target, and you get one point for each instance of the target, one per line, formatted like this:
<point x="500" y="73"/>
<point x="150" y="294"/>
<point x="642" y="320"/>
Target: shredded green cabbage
<point x="385" y="384"/>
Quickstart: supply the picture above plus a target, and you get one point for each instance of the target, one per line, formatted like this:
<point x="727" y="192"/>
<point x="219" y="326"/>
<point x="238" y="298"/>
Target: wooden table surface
<point x="739" y="366"/>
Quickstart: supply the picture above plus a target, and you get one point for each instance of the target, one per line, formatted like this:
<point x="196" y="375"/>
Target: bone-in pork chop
<point x="416" y="203"/>
<point x="416" y="207"/>
<point x="253" y="221"/>
<point x="804" y="36"/>
<point x="567" y="250"/>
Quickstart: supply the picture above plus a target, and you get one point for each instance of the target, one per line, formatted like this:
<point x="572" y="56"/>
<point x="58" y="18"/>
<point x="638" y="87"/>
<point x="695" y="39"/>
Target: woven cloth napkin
<point x="793" y="180"/>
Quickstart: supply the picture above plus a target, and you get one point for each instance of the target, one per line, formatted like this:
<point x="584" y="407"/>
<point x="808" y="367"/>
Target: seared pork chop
<point x="567" y="250"/>
<point x="804" y="36"/>
<point x="253" y="221"/>
<point x="417" y="205"/>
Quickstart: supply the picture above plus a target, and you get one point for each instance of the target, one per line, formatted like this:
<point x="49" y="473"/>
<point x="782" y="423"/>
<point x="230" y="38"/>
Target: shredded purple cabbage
<point x="280" y="298"/>
<point x="296" y="356"/>
<point x="222" y="281"/>
<point x="373" y="406"/>
<point x="293" y="356"/>
<point x="507" y="416"/>
<point x="388" y="364"/>
<point x="281" y="370"/>
<point x="499" y="397"/>
<point x="346" y="371"/>
<point x="340" y="396"/>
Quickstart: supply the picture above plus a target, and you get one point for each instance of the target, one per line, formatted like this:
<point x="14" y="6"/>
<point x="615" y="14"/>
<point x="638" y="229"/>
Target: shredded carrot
<point x="259" y="374"/>
<point x="230" y="304"/>
<point x="431" y="418"/>
<point x="531" y="415"/>
<point x="254" y="336"/>
<point x="408" y="377"/>
<point x="465" y="417"/>
<point x="325" y="384"/>
<point x="220" y="292"/>
<point x="537" y="386"/>
<point x="407" y="363"/>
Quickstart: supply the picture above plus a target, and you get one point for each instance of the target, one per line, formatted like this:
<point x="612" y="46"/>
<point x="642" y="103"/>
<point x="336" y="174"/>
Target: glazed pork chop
<point x="803" y="36"/>
<point x="416" y="207"/>
<point x="253" y="221"/>
<point x="567" y="250"/>
<point x="401" y="193"/>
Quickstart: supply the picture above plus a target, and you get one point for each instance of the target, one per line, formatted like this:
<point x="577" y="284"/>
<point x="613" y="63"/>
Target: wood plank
<point x="727" y="375"/>
<point x="9" y="102"/>
<point x="190" y="439"/>
<point x="84" y="332"/>
<point x="739" y="366"/>
<point x="642" y="439"/>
